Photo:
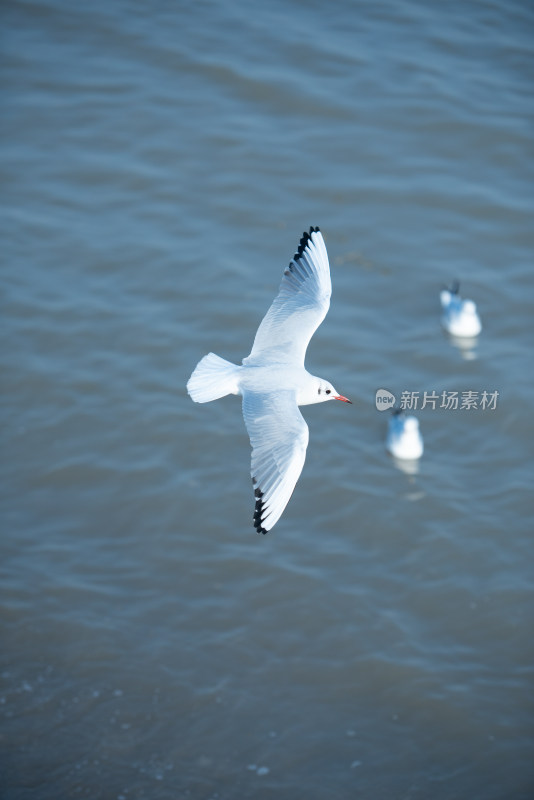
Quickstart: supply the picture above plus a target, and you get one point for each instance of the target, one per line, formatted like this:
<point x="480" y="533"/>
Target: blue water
<point x="159" y="165"/>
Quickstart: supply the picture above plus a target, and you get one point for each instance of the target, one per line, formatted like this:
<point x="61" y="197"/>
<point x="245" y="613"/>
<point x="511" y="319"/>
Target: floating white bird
<point x="273" y="381"/>
<point x="460" y="317"/>
<point x="404" y="440"/>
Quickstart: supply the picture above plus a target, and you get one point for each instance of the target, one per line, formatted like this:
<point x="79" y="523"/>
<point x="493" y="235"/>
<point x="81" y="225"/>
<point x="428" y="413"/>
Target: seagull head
<point x="469" y="307"/>
<point x="319" y="391"/>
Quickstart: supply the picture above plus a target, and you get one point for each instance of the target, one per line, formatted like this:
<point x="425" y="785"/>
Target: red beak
<point x="344" y="399"/>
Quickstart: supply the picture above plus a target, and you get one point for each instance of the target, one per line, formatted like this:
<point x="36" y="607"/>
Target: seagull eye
<point x="328" y="391"/>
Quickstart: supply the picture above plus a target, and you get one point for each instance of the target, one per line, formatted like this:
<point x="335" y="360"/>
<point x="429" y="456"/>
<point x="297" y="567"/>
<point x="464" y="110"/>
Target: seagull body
<point x="273" y="381"/>
<point x="404" y="440"/>
<point x="460" y="317"/>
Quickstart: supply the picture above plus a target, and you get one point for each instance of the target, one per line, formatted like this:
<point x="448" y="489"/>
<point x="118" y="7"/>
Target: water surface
<point x="158" y="168"/>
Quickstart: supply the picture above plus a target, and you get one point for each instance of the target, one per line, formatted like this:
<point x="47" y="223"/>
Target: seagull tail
<point x="212" y="378"/>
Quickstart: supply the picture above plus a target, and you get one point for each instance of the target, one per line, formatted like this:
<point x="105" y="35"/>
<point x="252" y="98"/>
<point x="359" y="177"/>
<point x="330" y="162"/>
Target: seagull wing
<point x="279" y="438"/>
<point x="298" y="309"/>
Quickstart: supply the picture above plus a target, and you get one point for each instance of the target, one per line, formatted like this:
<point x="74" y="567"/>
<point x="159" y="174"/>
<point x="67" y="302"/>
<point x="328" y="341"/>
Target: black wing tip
<point x="304" y="241"/>
<point x="258" y="509"/>
<point x="454" y="288"/>
<point x="259" y="529"/>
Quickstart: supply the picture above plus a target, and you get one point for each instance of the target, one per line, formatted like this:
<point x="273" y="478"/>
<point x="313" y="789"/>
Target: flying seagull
<point x="273" y="381"/>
